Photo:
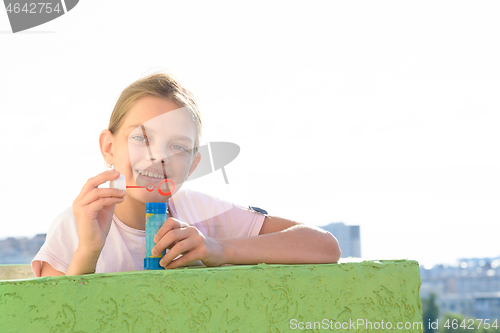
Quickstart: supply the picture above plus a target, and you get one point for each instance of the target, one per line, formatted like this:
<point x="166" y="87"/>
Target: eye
<point x="139" y="138"/>
<point x="180" y="148"/>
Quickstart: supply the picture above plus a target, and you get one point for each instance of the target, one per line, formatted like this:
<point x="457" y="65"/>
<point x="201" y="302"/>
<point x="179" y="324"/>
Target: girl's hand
<point x="93" y="210"/>
<point x="181" y="238"/>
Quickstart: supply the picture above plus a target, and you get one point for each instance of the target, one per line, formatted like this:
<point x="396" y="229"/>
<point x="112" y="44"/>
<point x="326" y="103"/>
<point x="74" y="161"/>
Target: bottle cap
<point x="156" y="208"/>
<point x="118" y="183"/>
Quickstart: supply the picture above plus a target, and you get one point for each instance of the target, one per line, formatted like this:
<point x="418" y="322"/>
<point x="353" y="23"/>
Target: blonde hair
<point x="160" y="85"/>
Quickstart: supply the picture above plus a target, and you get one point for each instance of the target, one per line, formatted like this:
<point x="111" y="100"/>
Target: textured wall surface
<point x="261" y="298"/>
<point x="14" y="272"/>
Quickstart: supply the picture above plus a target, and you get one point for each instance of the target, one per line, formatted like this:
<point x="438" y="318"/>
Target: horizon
<point x="426" y="265"/>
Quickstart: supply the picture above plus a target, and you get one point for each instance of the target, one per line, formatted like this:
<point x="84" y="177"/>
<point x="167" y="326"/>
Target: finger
<point x="171" y="246"/>
<point x="169" y="224"/>
<point x="103" y="202"/>
<point x="97" y="193"/>
<point x="184" y="260"/>
<point x="182" y="247"/>
<point x="101" y="178"/>
<point x="172" y="236"/>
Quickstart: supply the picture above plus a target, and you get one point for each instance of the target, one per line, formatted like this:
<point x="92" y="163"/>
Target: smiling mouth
<point x="150" y="174"/>
<point x="146" y="177"/>
<point x="154" y="179"/>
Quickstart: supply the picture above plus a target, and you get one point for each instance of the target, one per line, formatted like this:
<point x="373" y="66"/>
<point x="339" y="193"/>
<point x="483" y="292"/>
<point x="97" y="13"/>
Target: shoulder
<point x="196" y="206"/>
<point x="65" y="219"/>
<point x="67" y="214"/>
<point x="198" y="198"/>
<point x="187" y="193"/>
<point x="63" y="226"/>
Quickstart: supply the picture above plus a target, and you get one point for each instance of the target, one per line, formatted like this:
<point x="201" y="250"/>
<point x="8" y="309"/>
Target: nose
<point x="159" y="154"/>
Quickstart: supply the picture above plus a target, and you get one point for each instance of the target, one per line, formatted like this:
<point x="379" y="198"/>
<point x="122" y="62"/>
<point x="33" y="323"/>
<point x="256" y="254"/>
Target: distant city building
<point x="471" y="287"/>
<point x="20" y="250"/>
<point x="348" y="237"/>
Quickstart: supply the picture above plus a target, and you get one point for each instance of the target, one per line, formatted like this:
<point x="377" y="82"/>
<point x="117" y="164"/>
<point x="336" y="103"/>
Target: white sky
<point x="380" y="114"/>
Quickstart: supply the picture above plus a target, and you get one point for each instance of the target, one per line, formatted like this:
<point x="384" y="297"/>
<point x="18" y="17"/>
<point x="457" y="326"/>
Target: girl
<point x="154" y="135"/>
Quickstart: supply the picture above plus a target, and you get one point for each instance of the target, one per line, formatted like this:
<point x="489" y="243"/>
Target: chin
<point x="154" y="197"/>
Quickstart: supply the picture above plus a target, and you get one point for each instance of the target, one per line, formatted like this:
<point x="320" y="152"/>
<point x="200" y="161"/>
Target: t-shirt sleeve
<point x="217" y="218"/>
<point x="60" y="244"/>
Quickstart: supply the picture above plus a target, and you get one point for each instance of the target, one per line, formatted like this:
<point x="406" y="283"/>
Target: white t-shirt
<point x="125" y="248"/>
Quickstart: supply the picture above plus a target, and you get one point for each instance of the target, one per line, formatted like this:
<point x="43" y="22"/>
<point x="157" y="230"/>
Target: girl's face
<point x="155" y="142"/>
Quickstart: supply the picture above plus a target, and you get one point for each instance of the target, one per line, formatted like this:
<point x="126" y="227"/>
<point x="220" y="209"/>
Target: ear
<point x="194" y="164"/>
<point x="106" y="145"/>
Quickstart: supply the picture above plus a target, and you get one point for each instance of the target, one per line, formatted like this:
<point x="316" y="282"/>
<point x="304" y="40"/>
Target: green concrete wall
<point x="261" y="298"/>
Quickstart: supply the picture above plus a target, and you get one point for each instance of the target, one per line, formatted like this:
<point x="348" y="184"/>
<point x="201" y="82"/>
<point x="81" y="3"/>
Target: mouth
<point x="152" y="174"/>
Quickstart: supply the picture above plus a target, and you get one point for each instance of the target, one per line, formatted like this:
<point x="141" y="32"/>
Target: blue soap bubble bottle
<point x="156" y="215"/>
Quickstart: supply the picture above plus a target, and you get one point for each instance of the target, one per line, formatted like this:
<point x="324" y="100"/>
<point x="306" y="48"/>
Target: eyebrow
<point x="179" y="137"/>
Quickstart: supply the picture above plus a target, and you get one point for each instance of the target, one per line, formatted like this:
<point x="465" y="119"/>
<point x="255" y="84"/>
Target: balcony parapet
<point x="247" y="298"/>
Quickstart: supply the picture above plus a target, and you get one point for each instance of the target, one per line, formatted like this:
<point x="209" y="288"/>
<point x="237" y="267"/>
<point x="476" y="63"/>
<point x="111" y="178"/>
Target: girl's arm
<point x="82" y="263"/>
<point x="280" y="241"/>
<point x="93" y="211"/>
<point x="48" y="270"/>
